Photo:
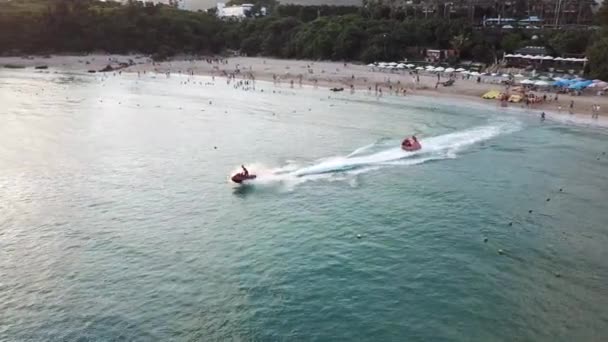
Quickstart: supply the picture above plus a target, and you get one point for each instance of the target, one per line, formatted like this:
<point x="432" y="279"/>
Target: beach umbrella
<point x="401" y="65"/>
<point x="519" y="55"/>
<point x="494" y="74"/>
<point x="419" y="68"/>
<point x="509" y="55"/>
<point x="602" y="84"/>
<point x="439" y="69"/>
<point x="410" y="65"/>
<point x="527" y="82"/>
<point x="519" y="76"/>
<point x="392" y="64"/>
<point x="505" y="75"/>
<point x="475" y="73"/>
<point x="542" y="83"/>
<point x="465" y="72"/>
<point x="371" y="65"/>
<point x="548" y="58"/>
<point x="544" y="78"/>
<point x="430" y="67"/>
<point x="461" y="69"/>
<point x="449" y="70"/>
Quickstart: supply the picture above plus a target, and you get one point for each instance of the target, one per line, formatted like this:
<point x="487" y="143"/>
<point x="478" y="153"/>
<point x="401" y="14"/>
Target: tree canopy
<point x="291" y="31"/>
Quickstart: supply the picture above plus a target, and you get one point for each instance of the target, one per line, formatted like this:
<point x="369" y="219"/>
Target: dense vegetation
<point x="291" y="31"/>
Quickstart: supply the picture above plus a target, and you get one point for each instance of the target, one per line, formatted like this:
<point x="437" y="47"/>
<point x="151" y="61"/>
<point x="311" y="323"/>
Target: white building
<point x="236" y="12"/>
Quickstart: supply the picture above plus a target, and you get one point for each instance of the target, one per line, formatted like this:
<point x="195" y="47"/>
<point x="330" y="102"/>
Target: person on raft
<point x="409" y="142"/>
<point x="245" y="172"/>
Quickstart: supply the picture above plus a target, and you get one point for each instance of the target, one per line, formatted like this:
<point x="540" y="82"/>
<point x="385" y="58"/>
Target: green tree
<point x="460" y="42"/>
<point x="511" y="42"/>
<point x="598" y="56"/>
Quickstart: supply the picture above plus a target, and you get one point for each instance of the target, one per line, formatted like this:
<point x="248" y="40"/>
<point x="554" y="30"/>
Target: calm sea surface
<point x="118" y="222"/>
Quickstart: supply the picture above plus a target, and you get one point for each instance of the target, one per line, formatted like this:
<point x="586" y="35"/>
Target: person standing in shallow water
<point x="572" y="107"/>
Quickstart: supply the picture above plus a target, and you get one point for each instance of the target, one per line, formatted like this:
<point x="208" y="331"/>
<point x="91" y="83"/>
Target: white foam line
<point x="338" y="168"/>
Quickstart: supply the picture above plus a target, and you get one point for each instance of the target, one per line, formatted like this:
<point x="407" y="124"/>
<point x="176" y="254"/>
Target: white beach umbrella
<point x="450" y="70"/>
<point x="528" y="57"/>
<point x="542" y="83"/>
<point x="519" y="75"/>
<point x="401" y="65"/>
<point x="547" y="58"/>
<point x="430" y="67"/>
<point x="440" y="69"/>
<point x="410" y="65"/>
<point x="419" y="68"/>
<point x="505" y="75"/>
<point x="509" y="55"/>
<point x="475" y="73"/>
<point x="558" y="59"/>
<point x="519" y="55"/>
<point x="371" y="65"/>
<point x="461" y="69"/>
<point x="392" y="64"/>
<point x="465" y="72"/>
<point x="527" y="82"/>
<point x="494" y="74"/>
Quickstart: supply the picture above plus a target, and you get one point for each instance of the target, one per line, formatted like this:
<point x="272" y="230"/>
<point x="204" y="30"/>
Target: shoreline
<point x="322" y="74"/>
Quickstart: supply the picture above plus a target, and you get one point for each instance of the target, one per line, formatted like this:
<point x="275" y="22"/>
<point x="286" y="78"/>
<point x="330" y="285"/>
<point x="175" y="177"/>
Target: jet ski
<point x="240" y="177"/>
<point x="410" y="144"/>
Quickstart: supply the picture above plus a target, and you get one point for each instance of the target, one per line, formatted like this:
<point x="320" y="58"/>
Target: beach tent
<point x="449" y="70"/>
<point x="580" y="85"/>
<point x="492" y="94"/>
<point x="564" y="82"/>
<point x="515" y="98"/>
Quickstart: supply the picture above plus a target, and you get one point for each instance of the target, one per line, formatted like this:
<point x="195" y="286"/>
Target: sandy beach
<point x="322" y="74"/>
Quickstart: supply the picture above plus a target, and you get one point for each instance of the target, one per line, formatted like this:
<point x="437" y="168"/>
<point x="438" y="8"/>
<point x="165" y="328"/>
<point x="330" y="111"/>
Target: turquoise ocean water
<point x="118" y="222"/>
